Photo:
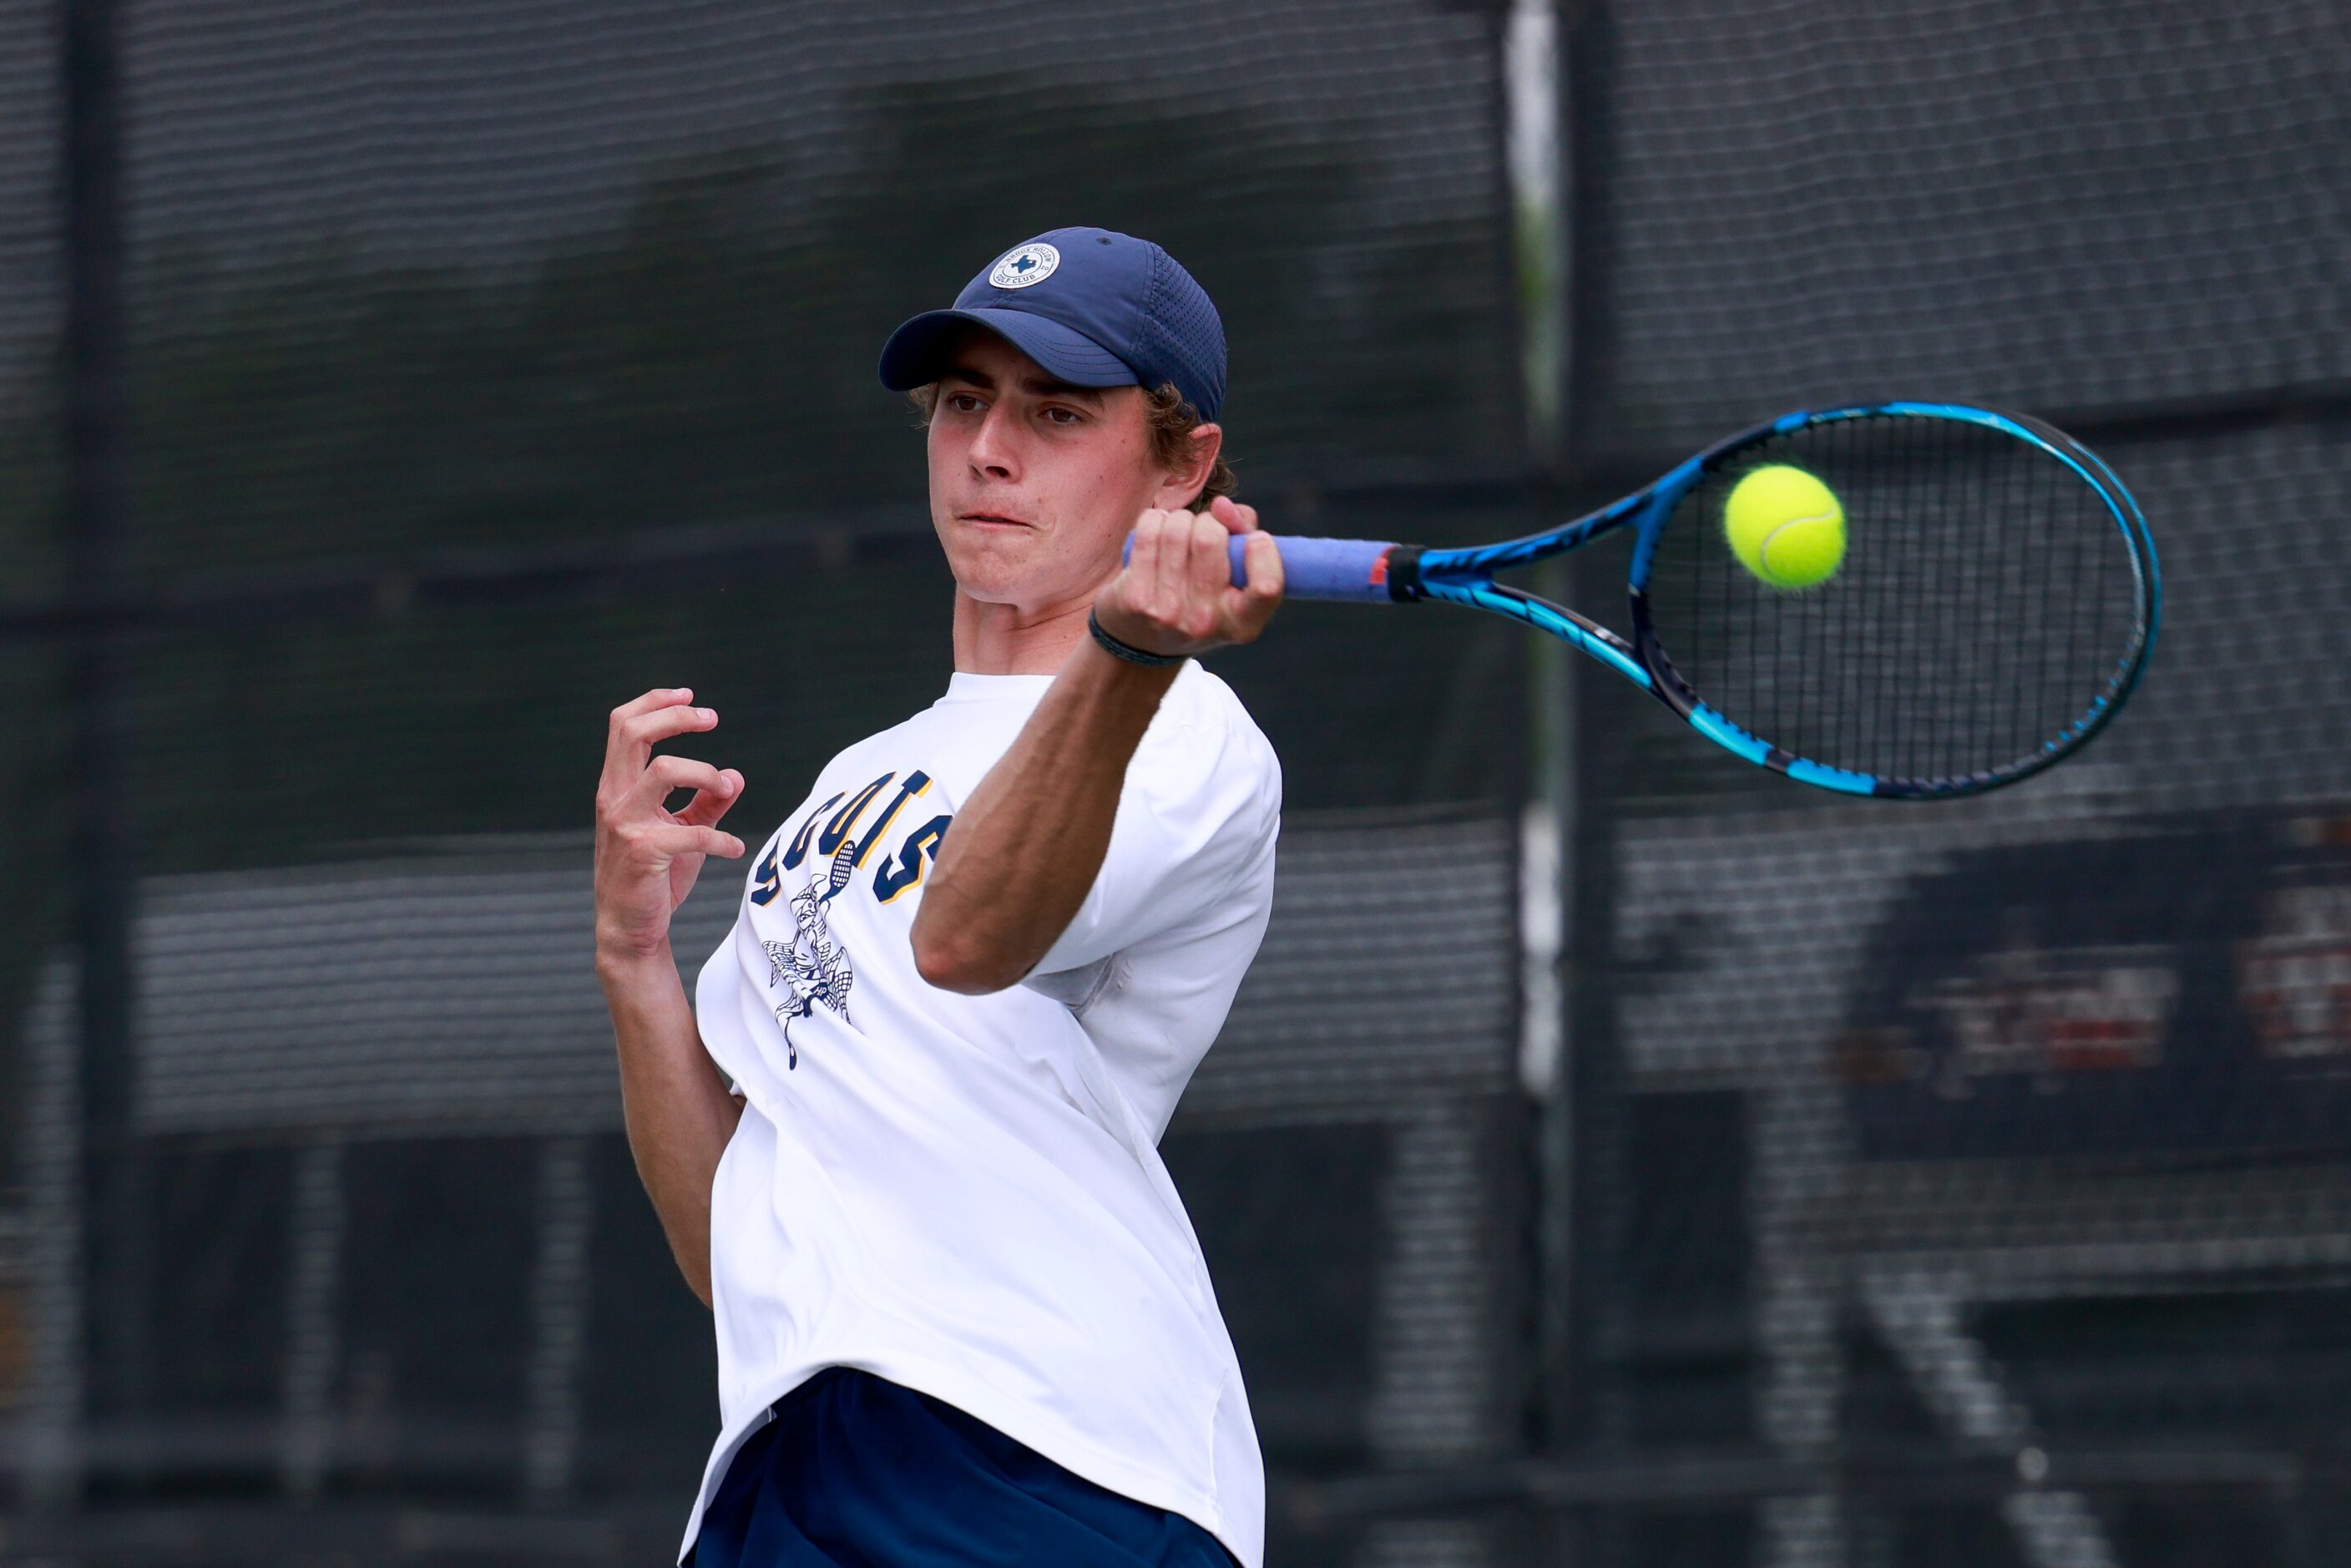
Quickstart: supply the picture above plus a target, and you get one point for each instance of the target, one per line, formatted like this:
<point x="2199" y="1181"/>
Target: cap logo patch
<point x="1031" y="263"/>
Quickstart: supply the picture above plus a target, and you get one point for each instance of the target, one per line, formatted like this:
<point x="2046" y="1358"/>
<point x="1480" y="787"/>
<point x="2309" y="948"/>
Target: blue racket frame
<point x="1381" y="571"/>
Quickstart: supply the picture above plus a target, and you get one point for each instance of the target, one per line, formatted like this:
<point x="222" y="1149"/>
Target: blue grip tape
<point x="1320" y="569"/>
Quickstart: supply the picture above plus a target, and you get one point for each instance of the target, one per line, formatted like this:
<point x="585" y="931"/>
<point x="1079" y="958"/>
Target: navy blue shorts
<point x="856" y="1472"/>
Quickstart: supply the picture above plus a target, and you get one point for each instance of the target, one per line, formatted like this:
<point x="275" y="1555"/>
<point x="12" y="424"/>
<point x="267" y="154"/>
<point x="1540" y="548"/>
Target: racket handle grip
<point x="1319" y="568"/>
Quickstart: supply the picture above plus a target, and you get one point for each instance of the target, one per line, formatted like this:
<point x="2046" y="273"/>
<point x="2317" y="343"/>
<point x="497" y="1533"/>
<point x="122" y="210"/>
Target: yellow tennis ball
<point x="1785" y="526"/>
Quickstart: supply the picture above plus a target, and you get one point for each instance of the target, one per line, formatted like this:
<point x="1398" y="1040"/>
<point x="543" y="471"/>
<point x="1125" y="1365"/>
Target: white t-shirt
<point x="964" y="1194"/>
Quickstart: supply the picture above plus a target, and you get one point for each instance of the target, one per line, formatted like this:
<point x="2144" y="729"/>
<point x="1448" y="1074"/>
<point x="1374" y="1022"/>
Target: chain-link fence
<point x="1869" y="1187"/>
<point x="1982" y="1169"/>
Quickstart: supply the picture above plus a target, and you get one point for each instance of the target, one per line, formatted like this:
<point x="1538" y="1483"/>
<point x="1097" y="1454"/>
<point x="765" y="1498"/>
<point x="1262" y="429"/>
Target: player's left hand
<point x="1176" y="595"/>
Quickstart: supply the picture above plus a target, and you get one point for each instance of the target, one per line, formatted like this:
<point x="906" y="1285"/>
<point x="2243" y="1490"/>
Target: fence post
<point x="1589" y="1409"/>
<point x="97" y="506"/>
<point x="1530" y="86"/>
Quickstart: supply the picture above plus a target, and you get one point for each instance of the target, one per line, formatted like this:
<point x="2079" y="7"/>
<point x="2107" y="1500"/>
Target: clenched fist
<point x="1176" y="595"/>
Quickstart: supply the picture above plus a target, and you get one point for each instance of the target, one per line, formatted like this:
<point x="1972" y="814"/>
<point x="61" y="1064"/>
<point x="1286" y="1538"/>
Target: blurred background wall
<point x="1613" y="1158"/>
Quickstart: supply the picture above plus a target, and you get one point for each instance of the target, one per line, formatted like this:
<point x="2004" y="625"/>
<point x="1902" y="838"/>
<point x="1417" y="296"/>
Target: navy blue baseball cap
<point x="1094" y="307"/>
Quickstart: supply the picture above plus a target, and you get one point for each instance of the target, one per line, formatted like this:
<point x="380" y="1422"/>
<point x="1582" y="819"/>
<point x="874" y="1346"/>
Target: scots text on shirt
<point x="841" y="841"/>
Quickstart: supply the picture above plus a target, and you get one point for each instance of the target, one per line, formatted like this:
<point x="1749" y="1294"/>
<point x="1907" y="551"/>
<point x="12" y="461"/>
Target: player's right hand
<point x="1176" y="595"/>
<point x="647" y="856"/>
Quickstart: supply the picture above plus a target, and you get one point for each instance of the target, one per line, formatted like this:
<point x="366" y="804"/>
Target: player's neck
<point x="1016" y="640"/>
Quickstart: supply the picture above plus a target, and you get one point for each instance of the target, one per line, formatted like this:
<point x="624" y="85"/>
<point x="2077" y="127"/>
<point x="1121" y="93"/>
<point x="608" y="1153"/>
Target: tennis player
<point x="905" y="1142"/>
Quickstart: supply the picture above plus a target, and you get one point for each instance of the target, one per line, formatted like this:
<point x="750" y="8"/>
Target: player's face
<point x="1035" y="484"/>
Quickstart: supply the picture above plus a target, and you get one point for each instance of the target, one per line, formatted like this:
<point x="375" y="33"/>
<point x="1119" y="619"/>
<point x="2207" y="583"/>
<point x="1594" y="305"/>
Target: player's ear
<point x="1184" y="482"/>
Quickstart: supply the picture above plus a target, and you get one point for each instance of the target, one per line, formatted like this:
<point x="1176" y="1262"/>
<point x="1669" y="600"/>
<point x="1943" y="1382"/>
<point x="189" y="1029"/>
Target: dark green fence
<point x="1856" y="1188"/>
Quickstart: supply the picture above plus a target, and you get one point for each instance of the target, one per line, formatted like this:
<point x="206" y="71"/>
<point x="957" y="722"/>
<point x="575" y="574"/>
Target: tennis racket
<point x="1996" y="603"/>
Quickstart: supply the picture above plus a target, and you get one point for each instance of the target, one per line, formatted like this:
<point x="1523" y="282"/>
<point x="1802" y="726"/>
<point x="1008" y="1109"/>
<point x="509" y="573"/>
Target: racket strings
<point x="1985" y="601"/>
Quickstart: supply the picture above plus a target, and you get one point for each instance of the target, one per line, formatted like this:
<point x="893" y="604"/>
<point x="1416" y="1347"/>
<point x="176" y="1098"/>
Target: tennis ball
<point x="1785" y="526"/>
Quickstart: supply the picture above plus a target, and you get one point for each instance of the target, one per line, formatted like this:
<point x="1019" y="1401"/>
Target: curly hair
<point x="1171" y="422"/>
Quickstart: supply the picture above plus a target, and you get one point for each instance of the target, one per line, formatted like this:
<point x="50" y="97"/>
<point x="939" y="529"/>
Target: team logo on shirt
<point x="813" y="969"/>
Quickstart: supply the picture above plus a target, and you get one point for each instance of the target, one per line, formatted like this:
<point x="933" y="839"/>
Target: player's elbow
<point x="960" y="962"/>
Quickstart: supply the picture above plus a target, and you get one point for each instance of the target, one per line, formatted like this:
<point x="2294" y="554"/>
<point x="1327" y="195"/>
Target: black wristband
<point x="1132" y="655"/>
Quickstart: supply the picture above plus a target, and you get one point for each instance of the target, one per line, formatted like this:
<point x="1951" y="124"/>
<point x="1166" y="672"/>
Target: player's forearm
<point x="1027" y="846"/>
<point x="678" y="1112"/>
